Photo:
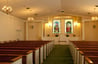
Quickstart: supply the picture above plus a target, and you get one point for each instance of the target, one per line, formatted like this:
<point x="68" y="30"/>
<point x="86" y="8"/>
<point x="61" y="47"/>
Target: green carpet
<point x="59" y="55"/>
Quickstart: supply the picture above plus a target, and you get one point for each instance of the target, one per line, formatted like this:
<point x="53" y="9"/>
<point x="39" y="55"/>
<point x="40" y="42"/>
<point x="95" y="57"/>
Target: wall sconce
<point x="76" y="24"/>
<point x="49" y="24"/>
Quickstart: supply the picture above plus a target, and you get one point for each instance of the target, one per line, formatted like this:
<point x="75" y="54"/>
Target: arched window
<point x="56" y="26"/>
<point x="68" y="26"/>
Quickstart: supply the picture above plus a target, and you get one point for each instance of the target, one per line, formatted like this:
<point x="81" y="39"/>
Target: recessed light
<point x="27" y="8"/>
<point x="62" y="10"/>
<point x="35" y="14"/>
<point x="88" y="13"/>
<point x="96" y="5"/>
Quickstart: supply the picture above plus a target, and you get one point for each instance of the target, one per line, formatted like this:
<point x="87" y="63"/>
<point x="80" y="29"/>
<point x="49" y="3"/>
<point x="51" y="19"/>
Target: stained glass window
<point x="68" y="26"/>
<point x="56" y="26"/>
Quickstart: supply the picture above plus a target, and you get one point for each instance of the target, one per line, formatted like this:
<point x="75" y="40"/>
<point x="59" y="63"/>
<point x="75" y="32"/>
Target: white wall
<point x="34" y="33"/>
<point x="11" y="28"/>
<point x="91" y="30"/>
<point x="84" y="19"/>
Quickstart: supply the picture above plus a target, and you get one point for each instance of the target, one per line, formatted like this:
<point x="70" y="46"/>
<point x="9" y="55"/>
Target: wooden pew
<point x="35" y="52"/>
<point x="10" y="59"/>
<point x="46" y="47"/>
<point x="91" y="60"/>
<point x="30" y="46"/>
<point x="49" y="45"/>
<point x="19" y="44"/>
<point x="76" y="48"/>
<point x="81" y="49"/>
<point x="88" y="54"/>
<point x="27" y="55"/>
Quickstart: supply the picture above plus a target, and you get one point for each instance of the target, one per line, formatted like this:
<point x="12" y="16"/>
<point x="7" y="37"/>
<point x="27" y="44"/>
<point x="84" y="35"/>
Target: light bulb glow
<point x="30" y="19"/>
<point x="7" y="9"/>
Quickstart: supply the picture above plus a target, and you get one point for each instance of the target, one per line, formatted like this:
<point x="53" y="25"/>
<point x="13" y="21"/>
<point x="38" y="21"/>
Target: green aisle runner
<point x="59" y="55"/>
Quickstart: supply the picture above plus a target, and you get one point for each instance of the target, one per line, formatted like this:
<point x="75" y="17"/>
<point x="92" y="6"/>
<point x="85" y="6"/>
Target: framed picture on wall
<point x="56" y="26"/>
<point x="69" y="26"/>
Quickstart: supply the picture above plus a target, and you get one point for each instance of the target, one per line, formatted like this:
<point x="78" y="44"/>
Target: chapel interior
<point x="48" y="31"/>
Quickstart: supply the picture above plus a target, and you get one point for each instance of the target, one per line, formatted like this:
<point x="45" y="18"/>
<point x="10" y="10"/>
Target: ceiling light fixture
<point x="30" y="18"/>
<point x="94" y="18"/>
<point x="7" y="9"/>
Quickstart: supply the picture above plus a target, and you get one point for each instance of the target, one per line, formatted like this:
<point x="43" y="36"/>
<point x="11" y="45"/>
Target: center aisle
<point x="60" y="55"/>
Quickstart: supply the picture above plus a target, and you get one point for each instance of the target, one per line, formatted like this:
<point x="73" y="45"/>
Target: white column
<point x="42" y="31"/>
<point x="26" y="30"/>
<point x="83" y="34"/>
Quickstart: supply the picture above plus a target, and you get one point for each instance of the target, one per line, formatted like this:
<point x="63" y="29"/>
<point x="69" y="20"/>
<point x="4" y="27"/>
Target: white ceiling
<point x="51" y="7"/>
